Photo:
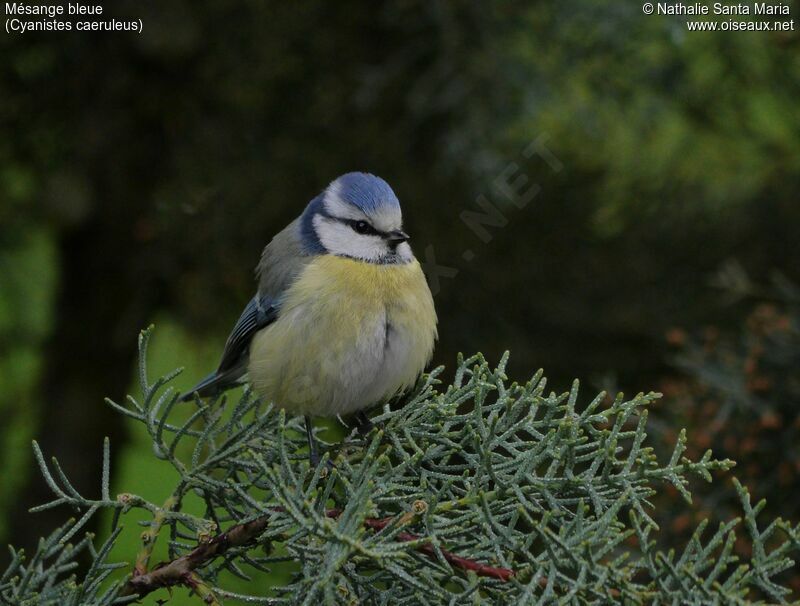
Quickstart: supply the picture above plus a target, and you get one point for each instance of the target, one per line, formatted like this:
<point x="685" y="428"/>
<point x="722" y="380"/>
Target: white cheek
<point x="340" y="239"/>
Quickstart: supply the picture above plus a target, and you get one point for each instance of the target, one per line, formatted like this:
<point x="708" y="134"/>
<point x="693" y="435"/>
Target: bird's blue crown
<point x="366" y="192"/>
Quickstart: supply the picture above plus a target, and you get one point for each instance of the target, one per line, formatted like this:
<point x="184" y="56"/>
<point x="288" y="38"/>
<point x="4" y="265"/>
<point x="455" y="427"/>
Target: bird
<point x="343" y="317"/>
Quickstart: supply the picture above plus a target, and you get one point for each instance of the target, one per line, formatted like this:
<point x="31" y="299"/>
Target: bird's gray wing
<point x="281" y="263"/>
<point x="259" y="313"/>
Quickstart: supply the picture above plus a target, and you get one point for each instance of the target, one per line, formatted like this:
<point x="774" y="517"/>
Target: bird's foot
<point x="363" y="423"/>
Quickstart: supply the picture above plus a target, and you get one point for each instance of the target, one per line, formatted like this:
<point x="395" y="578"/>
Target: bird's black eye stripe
<point x="362" y="227"/>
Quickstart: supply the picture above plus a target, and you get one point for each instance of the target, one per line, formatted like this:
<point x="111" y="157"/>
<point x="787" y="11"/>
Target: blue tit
<point x="343" y="317"/>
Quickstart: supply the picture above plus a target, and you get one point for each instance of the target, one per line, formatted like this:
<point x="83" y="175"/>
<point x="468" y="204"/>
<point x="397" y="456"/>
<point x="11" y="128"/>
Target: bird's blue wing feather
<point x="259" y="313"/>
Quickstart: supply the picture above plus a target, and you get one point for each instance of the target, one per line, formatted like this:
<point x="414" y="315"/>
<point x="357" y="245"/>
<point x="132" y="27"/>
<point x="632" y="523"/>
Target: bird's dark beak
<point x="397" y="237"/>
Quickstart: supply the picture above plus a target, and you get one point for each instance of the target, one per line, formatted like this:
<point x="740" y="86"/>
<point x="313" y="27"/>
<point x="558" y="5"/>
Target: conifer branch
<point x="537" y="498"/>
<point x="181" y="570"/>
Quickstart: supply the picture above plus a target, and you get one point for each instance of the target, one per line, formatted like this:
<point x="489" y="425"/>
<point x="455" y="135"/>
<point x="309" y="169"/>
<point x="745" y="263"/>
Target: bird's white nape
<point x="335" y="206"/>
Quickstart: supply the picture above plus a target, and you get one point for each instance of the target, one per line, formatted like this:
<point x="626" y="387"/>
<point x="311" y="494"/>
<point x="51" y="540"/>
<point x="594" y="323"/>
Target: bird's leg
<point x="363" y="424"/>
<point x="313" y="450"/>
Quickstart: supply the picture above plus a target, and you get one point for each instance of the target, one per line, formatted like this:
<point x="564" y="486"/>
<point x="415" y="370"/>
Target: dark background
<point x="140" y="176"/>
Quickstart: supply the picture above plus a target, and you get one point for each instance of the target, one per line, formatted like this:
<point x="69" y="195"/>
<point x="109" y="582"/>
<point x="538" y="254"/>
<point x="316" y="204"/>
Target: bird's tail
<point x="210" y="386"/>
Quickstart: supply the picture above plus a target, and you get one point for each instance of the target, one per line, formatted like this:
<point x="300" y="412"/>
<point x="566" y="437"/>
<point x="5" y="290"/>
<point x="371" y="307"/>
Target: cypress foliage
<point x="481" y="492"/>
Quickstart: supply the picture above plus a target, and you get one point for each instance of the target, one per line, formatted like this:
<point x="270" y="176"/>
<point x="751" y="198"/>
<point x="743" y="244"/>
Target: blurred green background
<point x="140" y="176"/>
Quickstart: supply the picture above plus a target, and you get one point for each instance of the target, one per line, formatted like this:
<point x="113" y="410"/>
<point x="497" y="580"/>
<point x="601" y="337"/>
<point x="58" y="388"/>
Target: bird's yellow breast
<point x="349" y="333"/>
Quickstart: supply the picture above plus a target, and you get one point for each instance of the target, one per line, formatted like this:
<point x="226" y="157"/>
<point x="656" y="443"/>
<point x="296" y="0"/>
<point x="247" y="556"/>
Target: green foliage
<point x="500" y="473"/>
<point x="47" y="579"/>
